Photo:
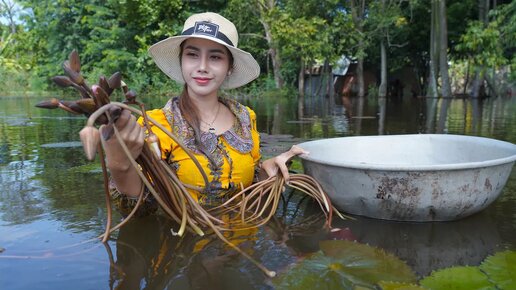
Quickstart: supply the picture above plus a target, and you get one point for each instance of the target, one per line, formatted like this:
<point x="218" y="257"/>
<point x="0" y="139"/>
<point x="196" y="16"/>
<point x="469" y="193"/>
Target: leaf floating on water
<point x="457" y="278"/>
<point x="91" y="167"/>
<point x="370" y="263"/>
<point x="501" y="269"/>
<point x="384" y="285"/>
<point x="345" y="265"/>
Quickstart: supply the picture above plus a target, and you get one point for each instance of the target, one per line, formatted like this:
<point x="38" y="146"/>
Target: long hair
<point x="191" y="113"/>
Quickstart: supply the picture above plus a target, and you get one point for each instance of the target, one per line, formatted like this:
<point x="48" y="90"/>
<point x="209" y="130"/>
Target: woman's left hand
<point x="272" y="165"/>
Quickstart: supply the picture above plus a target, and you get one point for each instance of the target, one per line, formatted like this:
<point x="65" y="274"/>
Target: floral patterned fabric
<point x="235" y="153"/>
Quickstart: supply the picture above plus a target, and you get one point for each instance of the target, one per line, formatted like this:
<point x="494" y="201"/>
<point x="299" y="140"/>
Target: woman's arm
<point x="271" y="166"/>
<point x="123" y="174"/>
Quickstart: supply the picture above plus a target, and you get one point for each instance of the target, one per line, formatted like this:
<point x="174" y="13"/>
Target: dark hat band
<point x="207" y="28"/>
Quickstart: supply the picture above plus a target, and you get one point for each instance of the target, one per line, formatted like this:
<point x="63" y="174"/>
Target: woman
<point x="220" y="132"/>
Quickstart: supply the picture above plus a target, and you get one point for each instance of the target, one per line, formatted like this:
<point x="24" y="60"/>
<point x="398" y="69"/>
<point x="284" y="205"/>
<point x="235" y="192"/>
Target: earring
<point x="229" y="73"/>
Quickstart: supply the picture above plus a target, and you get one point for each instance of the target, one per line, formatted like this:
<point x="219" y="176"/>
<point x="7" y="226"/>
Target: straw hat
<point x="213" y="27"/>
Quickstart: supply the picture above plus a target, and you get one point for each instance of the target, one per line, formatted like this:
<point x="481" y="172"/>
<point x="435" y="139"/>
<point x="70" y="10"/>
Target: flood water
<point x="52" y="204"/>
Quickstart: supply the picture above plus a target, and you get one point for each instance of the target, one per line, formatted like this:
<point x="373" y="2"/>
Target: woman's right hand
<point x="132" y="134"/>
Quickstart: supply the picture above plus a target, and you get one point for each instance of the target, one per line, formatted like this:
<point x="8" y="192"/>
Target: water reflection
<point x="148" y="256"/>
<point x="429" y="246"/>
<point x="382" y="102"/>
<point x="376" y="116"/>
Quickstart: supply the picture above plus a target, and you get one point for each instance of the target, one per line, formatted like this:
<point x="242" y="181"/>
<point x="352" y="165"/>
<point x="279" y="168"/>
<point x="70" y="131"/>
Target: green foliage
<point x="457" y="278"/>
<point x="345" y="265"/>
<point x="384" y="285"/>
<point x="491" y="45"/>
<point x="115" y="35"/>
<point x="501" y="269"/>
<point x="495" y="272"/>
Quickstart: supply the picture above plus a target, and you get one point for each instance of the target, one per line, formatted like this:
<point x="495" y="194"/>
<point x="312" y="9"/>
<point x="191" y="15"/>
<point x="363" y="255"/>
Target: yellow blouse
<point x="235" y="153"/>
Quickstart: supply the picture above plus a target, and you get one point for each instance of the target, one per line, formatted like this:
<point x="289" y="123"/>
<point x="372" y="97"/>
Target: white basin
<point x="424" y="177"/>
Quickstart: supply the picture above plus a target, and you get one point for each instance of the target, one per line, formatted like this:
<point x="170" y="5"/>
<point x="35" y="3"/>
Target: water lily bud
<point x="100" y="96"/>
<point x="62" y="81"/>
<point x="53" y="103"/>
<point x="153" y="142"/>
<point x="74" y="61"/>
<point x="90" y="138"/>
<point x="74" y="76"/>
<point x="130" y="96"/>
<point x="103" y="83"/>
<point x="87" y="105"/>
<point x="115" y="81"/>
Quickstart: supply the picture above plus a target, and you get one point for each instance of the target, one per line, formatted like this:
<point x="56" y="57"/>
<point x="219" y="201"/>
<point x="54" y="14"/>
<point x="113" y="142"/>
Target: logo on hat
<point x="206" y="28"/>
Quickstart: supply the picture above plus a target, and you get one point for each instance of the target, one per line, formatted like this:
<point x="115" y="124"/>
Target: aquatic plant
<point x="495" y="272"/>
<point x="344" y="264"/>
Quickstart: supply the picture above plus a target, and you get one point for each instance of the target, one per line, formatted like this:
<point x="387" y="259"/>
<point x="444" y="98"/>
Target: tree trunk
<point x="478" y="80"/>
<point x="466" y="77"/>
<point x="432" y="72"/>
<point x="360" y="77"/>
<point x="382" y="90"/>
<point x="443" y="51"/>
<point x="275" y="56"/>
<point x="9" y="7"/>
<point x="264" y="9"/>
<point x="357" y="13"/>
<point x="301" y="89"/>
<point x="329" y="79"/>
<point x="381" y="115"/>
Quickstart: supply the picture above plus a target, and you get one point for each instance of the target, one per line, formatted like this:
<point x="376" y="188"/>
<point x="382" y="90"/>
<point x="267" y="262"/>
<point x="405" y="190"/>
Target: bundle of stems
<point x="254" y="206"/>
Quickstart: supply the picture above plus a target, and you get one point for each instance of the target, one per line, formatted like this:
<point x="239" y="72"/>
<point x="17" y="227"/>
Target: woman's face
<point x="205" y="65"/>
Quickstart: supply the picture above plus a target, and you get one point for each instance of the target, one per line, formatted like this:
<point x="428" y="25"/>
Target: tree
<point x="358" y="13"/>
<point x="439" y="51"/>
<point x="386" y="24"/>
<point x="9" y="9"/>
<point x="443" y="50"/>
<point x="489" y="48"/>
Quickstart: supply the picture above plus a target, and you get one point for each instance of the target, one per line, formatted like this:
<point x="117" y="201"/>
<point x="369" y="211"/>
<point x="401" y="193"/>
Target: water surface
<point x="52" y="203"/>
